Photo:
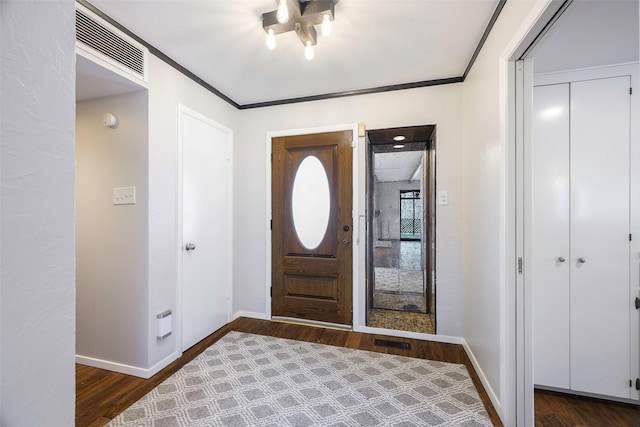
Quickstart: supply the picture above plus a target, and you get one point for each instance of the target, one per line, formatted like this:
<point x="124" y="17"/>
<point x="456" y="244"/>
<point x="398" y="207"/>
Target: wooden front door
<point x="312" y="227"/>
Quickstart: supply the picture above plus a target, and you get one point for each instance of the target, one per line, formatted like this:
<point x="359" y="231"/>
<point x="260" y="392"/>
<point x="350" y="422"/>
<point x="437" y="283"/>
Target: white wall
<point x="167" y="89"/>
<point x="37" y="173"/>
<point x="139" y="275"/>
<point x="484" y="155"/>
<point x="111" y="240"/>
<point x="439" y="105"/>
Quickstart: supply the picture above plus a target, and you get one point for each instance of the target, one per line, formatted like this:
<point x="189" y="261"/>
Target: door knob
<point x="345" y="242"/>
<point x="561" y="259"/>
<point x="190" y="247"/>
<point x="582" y="260"/>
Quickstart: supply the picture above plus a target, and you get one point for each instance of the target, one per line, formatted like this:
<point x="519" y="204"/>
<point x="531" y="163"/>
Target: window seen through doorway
<point x="410" y="215"/>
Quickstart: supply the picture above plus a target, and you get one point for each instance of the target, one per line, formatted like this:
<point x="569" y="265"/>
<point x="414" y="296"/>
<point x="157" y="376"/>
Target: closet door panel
<point x="600" y="236"/>
<point x="550" y="220"/>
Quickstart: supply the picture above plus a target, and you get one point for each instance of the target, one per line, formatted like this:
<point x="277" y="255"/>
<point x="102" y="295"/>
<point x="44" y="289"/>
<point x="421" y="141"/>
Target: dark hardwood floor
<point x="559" y="410"/>
<point x="101" y="395"/>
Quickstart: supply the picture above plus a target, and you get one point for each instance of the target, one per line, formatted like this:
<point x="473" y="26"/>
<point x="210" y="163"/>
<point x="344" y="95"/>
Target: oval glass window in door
<point x="310" y="202"/>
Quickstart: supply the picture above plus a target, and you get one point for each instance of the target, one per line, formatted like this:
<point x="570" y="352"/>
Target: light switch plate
<point x="443" y="197"/>
<point x="124" y="196"/>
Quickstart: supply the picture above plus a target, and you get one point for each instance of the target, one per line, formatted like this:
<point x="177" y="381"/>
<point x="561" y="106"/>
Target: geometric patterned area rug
<point x="253" y="380"/>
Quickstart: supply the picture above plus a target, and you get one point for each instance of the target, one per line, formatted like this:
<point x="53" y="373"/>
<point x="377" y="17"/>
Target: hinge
<point x="630" y="91"/>
<point x="271" y="156"/>
<point x="271" y="292"/>
<point x="637" y="303"/>
<point x="637" y="383"/>
<point x="630" y="236"/>
<point x="271" y="224"/>
<point x="520" y="265"/>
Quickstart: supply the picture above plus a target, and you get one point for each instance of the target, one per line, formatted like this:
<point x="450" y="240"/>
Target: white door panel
<point x="600" y="303"/>
<point x="550" y="222"/>
<point x="205" y="218"/>
<point x="581" y="212"/>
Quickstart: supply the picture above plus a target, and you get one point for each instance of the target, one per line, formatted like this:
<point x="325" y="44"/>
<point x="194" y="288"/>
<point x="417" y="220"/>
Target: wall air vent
<point x="98" y="38"/>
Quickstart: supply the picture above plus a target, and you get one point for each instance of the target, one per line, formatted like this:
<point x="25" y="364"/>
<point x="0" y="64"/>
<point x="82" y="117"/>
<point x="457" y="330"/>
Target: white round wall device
<point x="109" y="120"/>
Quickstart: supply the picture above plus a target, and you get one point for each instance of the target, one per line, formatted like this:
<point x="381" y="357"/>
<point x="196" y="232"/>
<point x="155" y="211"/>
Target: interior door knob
<point x="561" y="259"/>
<point x="190" y="247"/>
<point x="582" y="260"/>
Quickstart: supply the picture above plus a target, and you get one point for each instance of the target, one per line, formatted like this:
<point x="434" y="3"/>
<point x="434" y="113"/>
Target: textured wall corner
<point x="37" y="94"/>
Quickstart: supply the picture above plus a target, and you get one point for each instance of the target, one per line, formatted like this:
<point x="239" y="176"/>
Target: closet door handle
<point x="582" y="260"/>
<point x="561" y="259"/>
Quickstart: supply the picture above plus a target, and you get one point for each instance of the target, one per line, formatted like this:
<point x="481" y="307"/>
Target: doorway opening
<point x="401" y="229"/>
<point x="111" y="218"/>
<point x="568" y="99"/>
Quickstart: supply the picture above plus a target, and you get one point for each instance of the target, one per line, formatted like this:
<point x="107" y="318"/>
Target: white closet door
<point x="205" y="225"/>
<point x="550" y="222"/>
<point x="600" y="236"/>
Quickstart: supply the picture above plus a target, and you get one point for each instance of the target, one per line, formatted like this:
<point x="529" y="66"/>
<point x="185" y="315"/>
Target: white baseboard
<point x="127" y="369"/>
<point x="406" y="334"/>
<point x="483" y="379"/>
<point x="250" y="314"/>
<point x="163" y="363"/>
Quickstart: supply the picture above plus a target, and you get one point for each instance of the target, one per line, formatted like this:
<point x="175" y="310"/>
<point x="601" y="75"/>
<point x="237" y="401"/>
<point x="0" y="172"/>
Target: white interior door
<point x="600" y="305"/>
<point x="205" y="226"/>
<point x="550" y="239"/>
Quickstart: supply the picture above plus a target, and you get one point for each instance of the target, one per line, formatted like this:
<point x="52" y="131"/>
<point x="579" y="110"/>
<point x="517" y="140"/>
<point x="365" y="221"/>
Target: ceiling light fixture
<point x="325" y="28"/>
<point x="399" y="138"/>
<point x="301" y="17"/>
<point x="282" y="13"/>
<point x="398" y="146"/>
<point x="308" y="51"/>
<point x="271" y="40"/>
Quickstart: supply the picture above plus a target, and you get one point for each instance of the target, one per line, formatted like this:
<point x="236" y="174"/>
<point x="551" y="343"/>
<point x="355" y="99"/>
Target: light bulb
<point x="308" y="51"/>
<point x="325" y="29"/>
<point x="271" y="40"/>
<point x="283" y="12"/>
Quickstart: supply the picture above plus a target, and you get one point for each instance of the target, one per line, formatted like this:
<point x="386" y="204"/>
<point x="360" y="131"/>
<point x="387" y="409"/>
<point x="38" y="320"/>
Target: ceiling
<point x="94" y="81"/>
<point x="374" y="43"/>
<point x="590" y="34"/>
<point x="399" y="160"/>
<point x="395" y="167"/>
<point x="411" y="136"/>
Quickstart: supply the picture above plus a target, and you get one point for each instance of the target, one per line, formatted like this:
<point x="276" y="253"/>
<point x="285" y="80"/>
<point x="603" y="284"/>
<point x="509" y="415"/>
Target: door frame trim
<point x="182" y="111"/>
<point x="356" y="306"/>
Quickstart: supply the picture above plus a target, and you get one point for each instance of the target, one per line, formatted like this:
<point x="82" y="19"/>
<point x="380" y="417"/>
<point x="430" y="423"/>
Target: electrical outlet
<point x="443" y="197"/>
<point x="124" y="196"/>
